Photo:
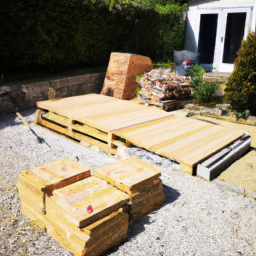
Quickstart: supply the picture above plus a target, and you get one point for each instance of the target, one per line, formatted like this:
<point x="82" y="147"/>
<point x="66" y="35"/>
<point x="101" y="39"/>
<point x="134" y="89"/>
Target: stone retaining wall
<point x="25" y="96"/>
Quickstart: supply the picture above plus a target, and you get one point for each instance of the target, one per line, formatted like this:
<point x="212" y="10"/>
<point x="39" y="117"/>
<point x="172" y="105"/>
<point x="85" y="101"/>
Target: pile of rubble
<point x="162" y="85"/>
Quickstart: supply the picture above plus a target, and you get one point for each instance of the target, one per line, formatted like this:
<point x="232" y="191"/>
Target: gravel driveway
<point x="198" y="217"/>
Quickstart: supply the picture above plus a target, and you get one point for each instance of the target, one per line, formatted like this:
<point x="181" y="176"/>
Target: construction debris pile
<point x="162" y="85"/>
<point x="89" y="214"/>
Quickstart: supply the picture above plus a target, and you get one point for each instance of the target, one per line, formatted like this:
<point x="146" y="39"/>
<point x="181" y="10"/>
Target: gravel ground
<point x="198" y="217"/>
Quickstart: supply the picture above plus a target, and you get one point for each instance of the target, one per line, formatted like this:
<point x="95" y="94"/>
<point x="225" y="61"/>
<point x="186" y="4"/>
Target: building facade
<point x="215" y="28"/>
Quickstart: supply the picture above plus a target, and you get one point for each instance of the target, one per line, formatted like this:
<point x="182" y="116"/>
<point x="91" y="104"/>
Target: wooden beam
<point x="77" y="136"/>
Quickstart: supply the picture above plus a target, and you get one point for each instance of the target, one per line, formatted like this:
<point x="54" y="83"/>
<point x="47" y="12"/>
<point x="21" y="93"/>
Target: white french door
<point x="234" y="28"/>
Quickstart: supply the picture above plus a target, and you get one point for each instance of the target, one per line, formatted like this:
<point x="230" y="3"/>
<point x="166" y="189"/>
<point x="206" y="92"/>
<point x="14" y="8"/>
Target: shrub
<point x="196" y="73"/>
<point x="241" y="86"/>
<point x="48" y="35"/>
<point x="204" y="91"/>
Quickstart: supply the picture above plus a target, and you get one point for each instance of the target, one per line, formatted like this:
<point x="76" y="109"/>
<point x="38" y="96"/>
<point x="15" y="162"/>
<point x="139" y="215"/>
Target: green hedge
<point x="40" y="35"/>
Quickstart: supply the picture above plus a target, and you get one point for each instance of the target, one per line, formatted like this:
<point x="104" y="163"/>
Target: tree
<point x="241" y="86"/>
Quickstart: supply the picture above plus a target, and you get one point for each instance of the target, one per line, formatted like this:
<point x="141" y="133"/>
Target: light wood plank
<point x="102" y="112"/>
<point x="77" y="136"/>
<point x="70" y="203"/>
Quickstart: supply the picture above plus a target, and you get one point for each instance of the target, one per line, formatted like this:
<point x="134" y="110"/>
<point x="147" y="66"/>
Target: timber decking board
<point x="103" y="112"/>
<point x="184" y="140"/>
<point x="189" y="143"/>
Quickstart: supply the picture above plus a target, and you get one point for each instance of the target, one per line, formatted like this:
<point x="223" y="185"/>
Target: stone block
<point x="95" y="148"/>
<point x="225" y="107"/>
<point x="6" y="105"/>
<point x="85" y="144"/>
<point x="121" y="153"/>
<point x="220" y="91"/>
<point x="251" y="120"/>
<point x="217" y="111"/>
<point x="4" y="89"/>
<point x="120" y="80"/>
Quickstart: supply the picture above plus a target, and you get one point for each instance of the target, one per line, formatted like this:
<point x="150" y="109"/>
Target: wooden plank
<point x="251" y="129"/>
<point x="92" y="240"/>
<point x="22" y="119"/>
<point x="38" y="114"/>
<point x="77" y="136"/>
<point x="208" y="150"/>
<point x="41" y="181"/>
<point x="174" y="147"/>
<point x="77" y="127"/>
<point x="153" y="137"/>
<point x="118" y="143"/>
<point x="110" y="138"/>
<point x="159" y="121"/>
<point x="87" y="130"/>
<point x="70" y="203"/>
<point x="140" y="180"/>
<point x="177" y="137"/>
<point x="129" y="175"/>
<point x="186" y="168"/>
<point x="102" y="112"/>
<point x="56" y="174"/>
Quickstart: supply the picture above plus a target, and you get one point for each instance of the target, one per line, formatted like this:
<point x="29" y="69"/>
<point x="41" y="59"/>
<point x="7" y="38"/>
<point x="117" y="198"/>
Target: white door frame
<point x="225" y="67"/>
<point x="208" y="11"/>
<point x="221" y="29"/>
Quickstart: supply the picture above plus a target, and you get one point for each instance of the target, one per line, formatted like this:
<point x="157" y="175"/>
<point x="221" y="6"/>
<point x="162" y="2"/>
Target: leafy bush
<point x="241" y="86"/>
<point x="196" y="73"/>
<point x="48" y="35"/>
<point x="204" y="91"/>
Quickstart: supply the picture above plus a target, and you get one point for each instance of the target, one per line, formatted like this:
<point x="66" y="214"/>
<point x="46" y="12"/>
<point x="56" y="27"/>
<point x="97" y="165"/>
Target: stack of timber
<point x="92" y="240"/>
<point x="107" y="123"/>
<point x="89" y="214"/>
<point x="47" y="199"/>
<point x="140" y="180"/>
<point x="38" y="183"/>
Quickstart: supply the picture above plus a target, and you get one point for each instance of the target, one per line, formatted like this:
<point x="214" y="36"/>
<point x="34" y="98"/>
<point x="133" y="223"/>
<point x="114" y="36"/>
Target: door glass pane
<point x="234" y="35"/>
<point x="207" y="37"/>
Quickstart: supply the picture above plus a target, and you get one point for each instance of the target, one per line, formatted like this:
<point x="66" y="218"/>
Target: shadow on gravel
<point x="138" y="226"/>
<point x="170" y="194"/>
<point x="13" y="120"/>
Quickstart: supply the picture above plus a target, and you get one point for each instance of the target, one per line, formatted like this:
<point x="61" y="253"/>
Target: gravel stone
<point x="198" y="217"/>
<point x="152" y="158"/>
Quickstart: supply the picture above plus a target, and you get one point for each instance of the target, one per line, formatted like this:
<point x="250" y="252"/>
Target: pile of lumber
<point x="89" y="214"/>
<point x="140" y="180"/>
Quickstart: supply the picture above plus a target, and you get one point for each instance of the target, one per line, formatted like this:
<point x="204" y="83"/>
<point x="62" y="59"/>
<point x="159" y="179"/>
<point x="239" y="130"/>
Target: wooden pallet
<point x="108" y="123"/>
<point x="168" y="104"/>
